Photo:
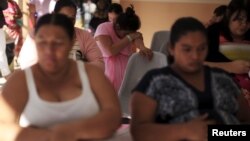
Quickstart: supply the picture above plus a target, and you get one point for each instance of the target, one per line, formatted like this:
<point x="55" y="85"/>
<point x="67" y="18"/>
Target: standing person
<point x="85" y="47"/>
<point x="115" y="41"/>
<point x="183" y="98"/>
<point x="13" y="28"/>
<point x="89" y="10"/>
<point x="5" y="71"/>
<point x="37" y="8"/>
<point x="58" y="99"/>
<point x="100" y="15"/>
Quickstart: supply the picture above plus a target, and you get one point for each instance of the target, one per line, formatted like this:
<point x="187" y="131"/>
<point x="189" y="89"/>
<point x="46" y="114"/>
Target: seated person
<point x="183" y="98"/>
<point x="84" y="47"/>
<point x="58" y="99"/>
<point x="226" y="40"/>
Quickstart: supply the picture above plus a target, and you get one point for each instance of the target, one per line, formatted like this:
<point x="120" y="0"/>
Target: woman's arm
<point x="106" y="122"/>
<point x="113" y="48"/>
<point x="236" y="67"/>
<point x="89" y="48"/>
<point x="32" y="15"/>
<point x="144" y="128"/>
<point x="143" y="49"/>
<point x="244" y="109"/>
<point x="109" y="47"/>
<point x="12" y="102"/>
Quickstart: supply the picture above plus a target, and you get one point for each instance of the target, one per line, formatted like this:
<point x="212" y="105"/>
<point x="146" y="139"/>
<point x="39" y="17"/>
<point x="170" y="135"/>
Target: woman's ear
<point x="170" y="49"/>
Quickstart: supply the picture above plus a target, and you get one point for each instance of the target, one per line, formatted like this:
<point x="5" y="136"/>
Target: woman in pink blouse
<point x="84" y="47"/>
<point x="116" y="42"/>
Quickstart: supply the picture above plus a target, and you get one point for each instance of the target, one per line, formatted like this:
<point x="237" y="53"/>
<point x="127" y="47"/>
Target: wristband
<point x="129" y="38"/>
<point x="34" y="14"/>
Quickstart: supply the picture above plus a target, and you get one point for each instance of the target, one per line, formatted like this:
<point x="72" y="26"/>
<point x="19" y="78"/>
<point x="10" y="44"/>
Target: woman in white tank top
<point x="57" y="99"/>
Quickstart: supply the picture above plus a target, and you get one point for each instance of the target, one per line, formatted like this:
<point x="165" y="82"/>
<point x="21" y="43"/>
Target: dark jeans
<point x="10" y="52"/>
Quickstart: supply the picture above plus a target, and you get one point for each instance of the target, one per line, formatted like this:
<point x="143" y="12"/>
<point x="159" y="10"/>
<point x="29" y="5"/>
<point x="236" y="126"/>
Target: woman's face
<point x="53" y="46"/>
<point x="240" y="25"/>
<point x="112" y="16"/>
<point x="70" y="12"/>
<point x="190" y="52"/>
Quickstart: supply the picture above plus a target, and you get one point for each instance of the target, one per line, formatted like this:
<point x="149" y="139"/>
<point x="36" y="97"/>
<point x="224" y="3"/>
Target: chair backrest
<point x="137" y="66"/>
<point x="160" y="38"/>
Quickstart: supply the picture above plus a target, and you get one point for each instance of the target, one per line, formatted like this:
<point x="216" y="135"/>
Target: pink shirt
<point x="89" y="47"/>
<point x="115" y="65"/>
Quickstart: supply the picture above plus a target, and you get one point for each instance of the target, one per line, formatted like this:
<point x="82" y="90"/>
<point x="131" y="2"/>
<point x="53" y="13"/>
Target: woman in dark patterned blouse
<point x="179" y="101"/>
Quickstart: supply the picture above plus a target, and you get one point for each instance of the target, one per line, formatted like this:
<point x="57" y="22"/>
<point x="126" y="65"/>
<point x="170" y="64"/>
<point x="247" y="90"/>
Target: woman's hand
<point x="135" y="35"/>
<point x="148" y="53"/>
<point x="239" y="66"/>
<point x="62" y="133"/>
<point x="197" y="128"/>
<point x="138" y="42"/>
<point x="246" y="94"/>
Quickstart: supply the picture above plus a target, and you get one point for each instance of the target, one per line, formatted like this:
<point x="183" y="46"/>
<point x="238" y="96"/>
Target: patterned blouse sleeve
<point x="146" y="85"/>
<point x="230" y="86"/>
<point x="235" y="87"/>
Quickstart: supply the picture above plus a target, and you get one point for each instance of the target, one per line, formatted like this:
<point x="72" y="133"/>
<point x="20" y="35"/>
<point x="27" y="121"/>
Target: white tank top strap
<point x="30" y="82"/>
<point x="83" y="76"/>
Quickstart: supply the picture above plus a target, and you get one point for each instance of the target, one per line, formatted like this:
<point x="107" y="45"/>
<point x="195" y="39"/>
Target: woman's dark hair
<point x="183" y="26"/>
<point x="57" y="20"/>
<point x="220" y="10"/>
<point x="129" y="20"/>
<point x="235" y="6"/>
<point x="116" y="8"/>
<point x="64" y="3"/>
<point x="238" y="7"/>
<point x="244" y="5"/>
<point x="180" y="28"/>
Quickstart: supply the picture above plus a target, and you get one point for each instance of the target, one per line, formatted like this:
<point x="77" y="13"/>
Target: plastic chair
<point x="137" y="66"/>
<point x="160" y="39"/>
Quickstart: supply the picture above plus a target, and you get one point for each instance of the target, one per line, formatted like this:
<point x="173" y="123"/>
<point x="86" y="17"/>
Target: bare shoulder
<point x="102" y="88"/>
<point x="15" y="81"/>
<point x="84" y="32"/>
<point x="14" y="94"/>
<point x="93" y="70"/>
<point x="15" y="89"/>
<point x="98" y="81"/>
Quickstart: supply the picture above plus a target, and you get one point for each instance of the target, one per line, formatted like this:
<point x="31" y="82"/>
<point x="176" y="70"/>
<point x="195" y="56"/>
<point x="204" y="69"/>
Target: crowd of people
<point x="68" y="92"/>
